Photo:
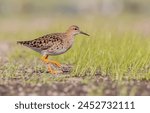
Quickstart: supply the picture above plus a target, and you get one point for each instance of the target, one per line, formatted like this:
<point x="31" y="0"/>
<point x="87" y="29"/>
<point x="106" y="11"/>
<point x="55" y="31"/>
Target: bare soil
<point x="75" y="86"/>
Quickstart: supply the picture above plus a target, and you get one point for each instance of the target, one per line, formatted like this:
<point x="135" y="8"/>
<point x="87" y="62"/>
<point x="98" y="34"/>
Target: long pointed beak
<point x="84" y="33"/>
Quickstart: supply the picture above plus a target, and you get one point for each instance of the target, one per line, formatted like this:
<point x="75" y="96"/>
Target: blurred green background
<point x="35" y="16"/>
<point x="73" y="7"/>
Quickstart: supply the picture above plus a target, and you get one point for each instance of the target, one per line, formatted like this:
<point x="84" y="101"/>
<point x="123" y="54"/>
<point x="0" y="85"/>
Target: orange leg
<point x="45" y="60"/>
<point x="55" y="62"/>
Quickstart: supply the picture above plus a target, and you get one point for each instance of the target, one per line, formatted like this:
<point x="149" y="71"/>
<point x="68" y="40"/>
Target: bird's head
<point x="74" y="30"/>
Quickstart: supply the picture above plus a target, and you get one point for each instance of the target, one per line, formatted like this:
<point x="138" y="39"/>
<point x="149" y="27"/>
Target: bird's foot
<point x="50" y="70"/>
<point x="48" y="62"/>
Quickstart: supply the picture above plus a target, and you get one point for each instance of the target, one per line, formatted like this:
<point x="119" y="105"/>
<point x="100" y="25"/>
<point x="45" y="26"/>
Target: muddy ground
<point x="74" y="86"/>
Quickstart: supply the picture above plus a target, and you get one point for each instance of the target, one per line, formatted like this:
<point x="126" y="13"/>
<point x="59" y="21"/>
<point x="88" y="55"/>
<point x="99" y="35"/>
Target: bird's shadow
<point x="64" y="69"/>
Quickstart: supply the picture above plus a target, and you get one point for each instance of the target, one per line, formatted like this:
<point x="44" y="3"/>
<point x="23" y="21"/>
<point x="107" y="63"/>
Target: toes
<point x="59" y="65"/>
<point x="52" y="72"/>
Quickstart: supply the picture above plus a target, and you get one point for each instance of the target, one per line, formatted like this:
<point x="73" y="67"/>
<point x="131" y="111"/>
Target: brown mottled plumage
<point x="53" y="44"/>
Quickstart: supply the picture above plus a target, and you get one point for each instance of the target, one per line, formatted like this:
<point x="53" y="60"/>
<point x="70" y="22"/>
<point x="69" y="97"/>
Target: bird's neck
<point x="69" y="39"/>
<point x="69" y="35"/>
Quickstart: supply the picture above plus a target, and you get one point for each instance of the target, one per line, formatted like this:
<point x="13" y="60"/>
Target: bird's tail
<point x="21" y="42"/>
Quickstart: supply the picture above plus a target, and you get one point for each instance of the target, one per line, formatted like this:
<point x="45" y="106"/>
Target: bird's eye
<point x="75" y="29"/>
